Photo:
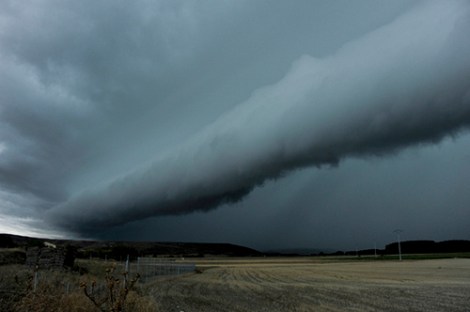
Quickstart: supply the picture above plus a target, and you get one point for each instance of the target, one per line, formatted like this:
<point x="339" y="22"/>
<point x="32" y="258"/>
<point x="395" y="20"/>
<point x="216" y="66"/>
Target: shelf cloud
<point x="403" y="84"/>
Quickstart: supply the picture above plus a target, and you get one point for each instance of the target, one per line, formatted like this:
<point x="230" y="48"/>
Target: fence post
<point x="35" y="281"/>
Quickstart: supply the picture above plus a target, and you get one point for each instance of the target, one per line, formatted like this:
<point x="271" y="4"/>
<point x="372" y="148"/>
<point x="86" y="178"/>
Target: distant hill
<point x="418" y="247"/>
<point x="428" y="246"/>
<point x="120" y="249"/>
<point x="297" y="251"/>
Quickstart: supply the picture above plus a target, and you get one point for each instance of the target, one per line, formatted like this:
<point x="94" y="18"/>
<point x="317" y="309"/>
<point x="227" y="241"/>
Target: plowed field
<point x="306" y="284"/>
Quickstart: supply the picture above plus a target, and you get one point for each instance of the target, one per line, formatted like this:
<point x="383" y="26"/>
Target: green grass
<point x="434" y="256"/>
<point x="465" y="255"/>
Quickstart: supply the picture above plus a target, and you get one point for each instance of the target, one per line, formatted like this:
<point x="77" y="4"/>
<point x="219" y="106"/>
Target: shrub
<point x="26" y="290"/>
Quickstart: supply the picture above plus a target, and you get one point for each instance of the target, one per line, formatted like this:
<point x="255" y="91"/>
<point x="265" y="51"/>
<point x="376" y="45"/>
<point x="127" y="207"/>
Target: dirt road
<point x="310" y="285"/>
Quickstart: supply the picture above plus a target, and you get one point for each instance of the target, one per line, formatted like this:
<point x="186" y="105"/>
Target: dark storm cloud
<point x="72" y="74"/>
<point x="34" y="126"/>
<point x="403" y="84"/>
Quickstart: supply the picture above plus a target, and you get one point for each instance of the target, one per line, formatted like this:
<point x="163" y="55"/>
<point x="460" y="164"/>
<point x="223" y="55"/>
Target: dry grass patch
<point x="60" y="290"/>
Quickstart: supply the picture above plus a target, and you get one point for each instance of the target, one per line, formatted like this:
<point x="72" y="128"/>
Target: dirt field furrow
<point x="430" y="285"/>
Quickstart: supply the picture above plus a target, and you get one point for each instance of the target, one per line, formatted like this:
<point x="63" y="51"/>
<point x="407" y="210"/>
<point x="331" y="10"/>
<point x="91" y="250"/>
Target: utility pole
<point x="398" y="231"/>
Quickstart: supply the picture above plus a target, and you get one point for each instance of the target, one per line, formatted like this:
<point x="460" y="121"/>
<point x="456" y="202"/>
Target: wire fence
<point x="148" y="267"/>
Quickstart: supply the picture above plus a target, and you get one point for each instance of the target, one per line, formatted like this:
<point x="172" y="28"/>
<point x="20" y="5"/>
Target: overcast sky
<point x="270" y="124"/>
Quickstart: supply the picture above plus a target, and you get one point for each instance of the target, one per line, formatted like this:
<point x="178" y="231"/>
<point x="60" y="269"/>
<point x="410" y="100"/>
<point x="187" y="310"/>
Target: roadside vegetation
<point x="106" y="289"/>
